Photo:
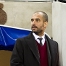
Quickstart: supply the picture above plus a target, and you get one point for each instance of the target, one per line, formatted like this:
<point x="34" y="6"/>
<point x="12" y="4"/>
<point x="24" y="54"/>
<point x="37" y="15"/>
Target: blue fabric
<point x="8" y="36"/>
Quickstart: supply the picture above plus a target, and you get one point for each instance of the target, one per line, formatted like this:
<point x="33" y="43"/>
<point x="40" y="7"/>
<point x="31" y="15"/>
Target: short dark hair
<point x="45" y="16"/>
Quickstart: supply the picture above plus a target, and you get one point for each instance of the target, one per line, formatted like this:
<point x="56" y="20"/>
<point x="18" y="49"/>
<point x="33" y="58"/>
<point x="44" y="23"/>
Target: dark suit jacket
<point x="25" y="52"/>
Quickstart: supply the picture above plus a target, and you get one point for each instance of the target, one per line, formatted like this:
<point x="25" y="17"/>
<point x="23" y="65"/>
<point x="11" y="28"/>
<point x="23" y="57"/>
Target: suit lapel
<point x="33" y="46"/>
<point x="48" y="50"/>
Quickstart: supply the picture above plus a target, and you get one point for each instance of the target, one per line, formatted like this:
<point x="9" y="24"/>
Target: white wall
<point x="19" y="13"/>
<point x="59" y="28"/>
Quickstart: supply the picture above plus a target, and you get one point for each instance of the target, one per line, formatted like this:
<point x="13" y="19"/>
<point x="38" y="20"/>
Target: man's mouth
<point x="34" y="27"/>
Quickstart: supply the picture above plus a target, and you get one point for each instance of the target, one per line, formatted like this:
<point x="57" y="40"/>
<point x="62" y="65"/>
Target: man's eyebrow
<point x="37" y="19"/>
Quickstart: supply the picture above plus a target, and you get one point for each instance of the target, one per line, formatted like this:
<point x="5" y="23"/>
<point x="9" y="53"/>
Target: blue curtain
<point x="8" y="36"/>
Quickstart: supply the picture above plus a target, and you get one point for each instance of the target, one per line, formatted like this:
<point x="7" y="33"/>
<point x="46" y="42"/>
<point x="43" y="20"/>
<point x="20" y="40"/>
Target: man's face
<point x="37" y="23"/>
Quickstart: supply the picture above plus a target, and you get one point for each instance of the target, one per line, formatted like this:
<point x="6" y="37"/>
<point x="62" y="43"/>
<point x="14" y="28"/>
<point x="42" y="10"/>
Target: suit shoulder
<point x="22" y="39"/>
<point x="51" y="40"/>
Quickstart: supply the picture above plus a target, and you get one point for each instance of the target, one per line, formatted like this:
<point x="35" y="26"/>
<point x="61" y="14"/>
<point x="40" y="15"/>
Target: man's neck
<point x="39" y="34"/>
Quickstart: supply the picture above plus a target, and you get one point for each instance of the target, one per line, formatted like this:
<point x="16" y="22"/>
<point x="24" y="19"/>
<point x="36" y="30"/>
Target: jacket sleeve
<point x="17" y="54"/>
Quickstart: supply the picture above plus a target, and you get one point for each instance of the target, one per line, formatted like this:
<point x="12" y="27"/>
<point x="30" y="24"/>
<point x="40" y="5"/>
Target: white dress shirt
<point x="36" y="38"/>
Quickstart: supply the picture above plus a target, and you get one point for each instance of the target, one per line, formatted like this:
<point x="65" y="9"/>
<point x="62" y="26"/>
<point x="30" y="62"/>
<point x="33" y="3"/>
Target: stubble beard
<point x="38" y="32"/>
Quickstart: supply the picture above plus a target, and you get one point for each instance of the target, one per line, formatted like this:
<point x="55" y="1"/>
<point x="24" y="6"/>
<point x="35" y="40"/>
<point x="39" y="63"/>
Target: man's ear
<point x="45" y="24"/>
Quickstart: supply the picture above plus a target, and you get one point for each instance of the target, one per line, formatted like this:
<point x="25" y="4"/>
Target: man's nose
<point x="34" y="22"/>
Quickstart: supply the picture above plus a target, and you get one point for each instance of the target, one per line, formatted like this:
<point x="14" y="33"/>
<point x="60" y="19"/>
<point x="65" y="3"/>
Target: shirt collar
<point x="36" y="36"/>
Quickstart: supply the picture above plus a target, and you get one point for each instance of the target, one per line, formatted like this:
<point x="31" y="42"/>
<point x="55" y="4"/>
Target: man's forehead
<point x="38" y="14"/>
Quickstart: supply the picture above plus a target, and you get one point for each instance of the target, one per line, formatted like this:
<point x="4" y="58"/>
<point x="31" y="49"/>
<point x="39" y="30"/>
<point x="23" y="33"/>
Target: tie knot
<point x="40" y="39"/>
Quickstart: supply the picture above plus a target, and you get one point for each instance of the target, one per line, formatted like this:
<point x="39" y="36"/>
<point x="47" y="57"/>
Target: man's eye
<point x="37" y="20"/>
<point x="32" y="20"/>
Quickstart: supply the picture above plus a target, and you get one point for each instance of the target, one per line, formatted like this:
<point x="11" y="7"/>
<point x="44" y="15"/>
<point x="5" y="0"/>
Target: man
<point x="37" y="49"/>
